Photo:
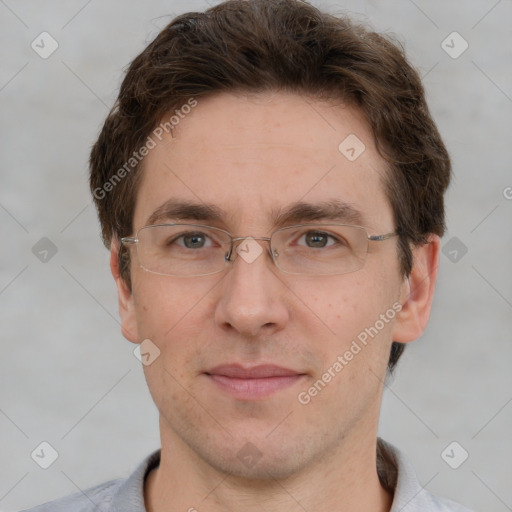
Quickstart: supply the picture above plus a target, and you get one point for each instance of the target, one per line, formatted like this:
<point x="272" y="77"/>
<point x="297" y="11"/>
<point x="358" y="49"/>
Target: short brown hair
<point x="266" y="45"/>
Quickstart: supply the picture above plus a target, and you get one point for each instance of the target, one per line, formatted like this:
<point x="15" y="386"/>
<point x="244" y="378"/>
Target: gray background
<point x="68" y="377"/>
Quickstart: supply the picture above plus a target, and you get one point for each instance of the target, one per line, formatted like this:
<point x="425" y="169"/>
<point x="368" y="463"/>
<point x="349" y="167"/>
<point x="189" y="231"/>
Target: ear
<point x="125" y="297"/>
<point x="417" y="292"/>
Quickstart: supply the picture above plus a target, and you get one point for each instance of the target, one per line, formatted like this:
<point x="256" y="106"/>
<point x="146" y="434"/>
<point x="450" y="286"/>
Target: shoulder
<point x="398" y="476"/>
<point x="94" y="499"/>
<point x="120" y="495"/>
<point x="445" y="505"/>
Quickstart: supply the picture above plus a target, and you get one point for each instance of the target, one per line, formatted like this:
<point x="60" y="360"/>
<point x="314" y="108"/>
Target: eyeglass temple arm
<point x="129" y="241"/>
<point x="378" y="238"/>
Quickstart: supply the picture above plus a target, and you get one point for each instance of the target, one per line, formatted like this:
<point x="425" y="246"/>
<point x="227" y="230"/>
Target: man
<point x="270" y="184"/>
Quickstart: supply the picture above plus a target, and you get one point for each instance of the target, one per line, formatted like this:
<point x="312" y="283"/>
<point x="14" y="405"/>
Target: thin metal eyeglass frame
<point x="135" y="240"/>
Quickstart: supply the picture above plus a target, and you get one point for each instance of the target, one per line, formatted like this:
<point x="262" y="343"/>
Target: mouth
<point x="252" y="383"/>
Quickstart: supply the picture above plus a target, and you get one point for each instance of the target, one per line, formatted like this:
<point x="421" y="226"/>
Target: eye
<point x="318" y="239"/>
<point x="191" y="240"/>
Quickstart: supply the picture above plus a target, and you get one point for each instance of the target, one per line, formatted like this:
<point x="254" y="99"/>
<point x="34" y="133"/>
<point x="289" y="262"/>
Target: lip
<point x="252" y="383"/>
<point x="261" y="371"/>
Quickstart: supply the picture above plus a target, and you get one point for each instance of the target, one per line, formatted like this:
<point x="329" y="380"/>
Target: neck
<point x="343" y="480"/>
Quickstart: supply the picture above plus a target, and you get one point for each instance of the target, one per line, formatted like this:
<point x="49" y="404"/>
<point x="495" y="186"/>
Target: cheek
<point x="348" y="303"/>
<point x="172" y="315"/>
<point x="358" y="310"/>
<point x="356" y="353"/>
<point x="171" y="312"/>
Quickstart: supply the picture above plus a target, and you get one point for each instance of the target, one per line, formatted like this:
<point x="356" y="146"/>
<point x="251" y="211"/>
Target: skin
<point x="249" y="155"/>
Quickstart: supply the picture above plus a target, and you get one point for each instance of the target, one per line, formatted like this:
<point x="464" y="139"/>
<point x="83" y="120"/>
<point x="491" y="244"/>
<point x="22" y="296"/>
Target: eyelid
<point x="302" y="232"/>
<point x="199" y="230"/>
<point x="306" y="226"/>
<point x="194" y="223"/>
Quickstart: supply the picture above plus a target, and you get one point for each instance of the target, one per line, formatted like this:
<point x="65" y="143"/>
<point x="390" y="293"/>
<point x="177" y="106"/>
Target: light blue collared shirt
<point x="127" y="495"/>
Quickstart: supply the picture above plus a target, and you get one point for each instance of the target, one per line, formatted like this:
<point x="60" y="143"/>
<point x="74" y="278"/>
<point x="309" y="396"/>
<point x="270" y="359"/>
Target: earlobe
<point x="125" y="297"/>
<point x="417" y="292"/>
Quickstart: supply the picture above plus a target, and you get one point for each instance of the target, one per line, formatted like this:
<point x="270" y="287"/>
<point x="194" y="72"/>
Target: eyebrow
<point x="295" y="213"/>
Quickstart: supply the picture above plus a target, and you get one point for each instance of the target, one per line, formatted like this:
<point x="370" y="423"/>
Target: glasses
<point x="305" y="249"/>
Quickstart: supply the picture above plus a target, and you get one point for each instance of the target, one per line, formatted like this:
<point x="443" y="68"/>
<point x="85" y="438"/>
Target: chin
<point x="261" y="458"/>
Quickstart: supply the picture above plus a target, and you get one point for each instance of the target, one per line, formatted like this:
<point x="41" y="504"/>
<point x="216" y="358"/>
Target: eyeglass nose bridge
<point x="227" y="257"/>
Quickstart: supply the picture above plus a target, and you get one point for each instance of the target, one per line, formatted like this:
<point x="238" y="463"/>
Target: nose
<point x="252" y="298"/>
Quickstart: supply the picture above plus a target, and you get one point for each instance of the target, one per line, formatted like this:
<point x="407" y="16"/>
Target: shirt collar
<point x="395" y="473"/>
<point x="130" y="494"/>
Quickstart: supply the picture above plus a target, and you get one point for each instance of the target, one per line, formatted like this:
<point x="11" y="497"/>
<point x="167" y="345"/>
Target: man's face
<point x="250" y="157"/>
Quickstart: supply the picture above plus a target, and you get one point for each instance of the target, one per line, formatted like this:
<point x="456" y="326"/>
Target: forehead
<point x="254" y="156"/>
